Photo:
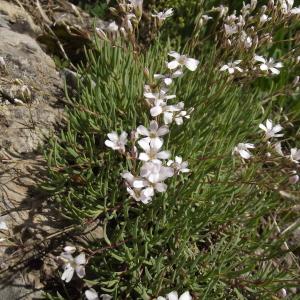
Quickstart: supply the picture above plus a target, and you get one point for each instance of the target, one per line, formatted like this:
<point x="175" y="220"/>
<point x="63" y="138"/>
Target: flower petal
<point x="156" y="111"/>
<point x="91" y="294"/>
<point x="172" y="296"/>
<point x="191" y="64"/>
<point x="67" y="274"/>
<point x="185" y="296"/>
<point x="80" y="259"/>
<point x="80" y="271"/>
<point x="163" y="155"/>
<point x="173" y="64"/>
<point x="142" y="130"/>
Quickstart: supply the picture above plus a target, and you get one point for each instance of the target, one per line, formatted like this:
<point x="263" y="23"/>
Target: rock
<point x="31" y="90"/>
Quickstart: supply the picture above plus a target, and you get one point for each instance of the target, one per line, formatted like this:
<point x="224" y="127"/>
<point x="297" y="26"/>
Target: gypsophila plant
<point x="187" y="158"/>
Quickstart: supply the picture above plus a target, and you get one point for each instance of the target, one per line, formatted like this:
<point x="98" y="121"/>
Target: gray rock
<point x="31" y="90"/>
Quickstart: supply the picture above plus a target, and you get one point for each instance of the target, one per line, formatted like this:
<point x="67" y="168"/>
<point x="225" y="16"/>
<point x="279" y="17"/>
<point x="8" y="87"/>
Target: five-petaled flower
<point x="295" y="155"/>
<point x="163" y="15"/>
<point x="168" y="79"/>
<point x="231" y="67"/>
<point x="242" y="150"/>
<point x="72" y="264"/>
<point x="152" y="150"/>
<point x="154" y="132"/>
<point x="179" y="165"/>
<point x="268" y="65"/>
<point x="182" y="60"/>
<point x="117" y="142"/>
<point x="271" y="130"/>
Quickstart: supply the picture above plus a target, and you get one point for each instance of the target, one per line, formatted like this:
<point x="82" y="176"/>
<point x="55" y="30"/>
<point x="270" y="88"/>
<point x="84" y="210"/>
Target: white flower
<point x="91" y="294"/>
<point x="174" y="296"/>
<point x="231" y="67"/>
<point x="295" y="155"/>
<point x="112" y="27"/>
<point x="152" y="150"/>
<point x="287" y="7"/>
<point x="141" y="195"/>
<point x="154" y="132"/>
<point x="230" y="29"/>
<point x="182" y="60"/>
<point x="155" y="172"/>
<point x="242" y="150"/>
<point x="271" y="130"/>
<point x="176" y="113"/>
<point x="160" y="97"/>
<point x="264" y="18"/>
<point x="246" y="40"/>
<point x="72" y="264"/>
<point x="117" y="142"/>
<point x="163" y="15"/>
<point x="270" y="65"/>
<point x="179" y="165"/>
<point x="168" y="79"/>
<point x="295" y="11"/>
<point x="136" y="188"/>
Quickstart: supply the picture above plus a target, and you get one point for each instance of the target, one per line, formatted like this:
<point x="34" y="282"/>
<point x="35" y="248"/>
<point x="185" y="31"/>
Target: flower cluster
<point x="129" y="13"/>
<point x="289" y="158"/>
<point x="266" y="66"/>
<point x="244" y="30"/>
<point x="147" y="143"/>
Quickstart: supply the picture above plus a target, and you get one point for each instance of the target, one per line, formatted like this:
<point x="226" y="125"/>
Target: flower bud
<point x="253" y="4"/>
<point x="296" y="81"/>
<point x="101" y="34"/>
<point x="271" y="4"/>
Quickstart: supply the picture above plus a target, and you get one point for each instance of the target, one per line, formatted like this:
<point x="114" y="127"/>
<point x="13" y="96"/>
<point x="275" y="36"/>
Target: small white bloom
<point x="242" y="150"/>
<point x="295" y="155"/>
<point x="232" y="66"/>
<point x="141" y="195"/>
<point x="175" y="113"/>
<point x="174" y="296"/>
<point x="155" y="172"/>
<point x="116" y="142"/>
<point x="91" y="294"/>
<point x="154" y="132"/>
<point x="72" y="264"/>
<point x="179" y="165"/>
<point x="270" y="65"/>
<point x="264" y="18"/>
<point x="182" y="60"/>
<point x="271" y="130"/>
<point x="163" y="15"/>
<point x="112" y="27"/>
<point x="152" y="150"/>
<point x="168" y="79"/>
<point x="230" y="29"/>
